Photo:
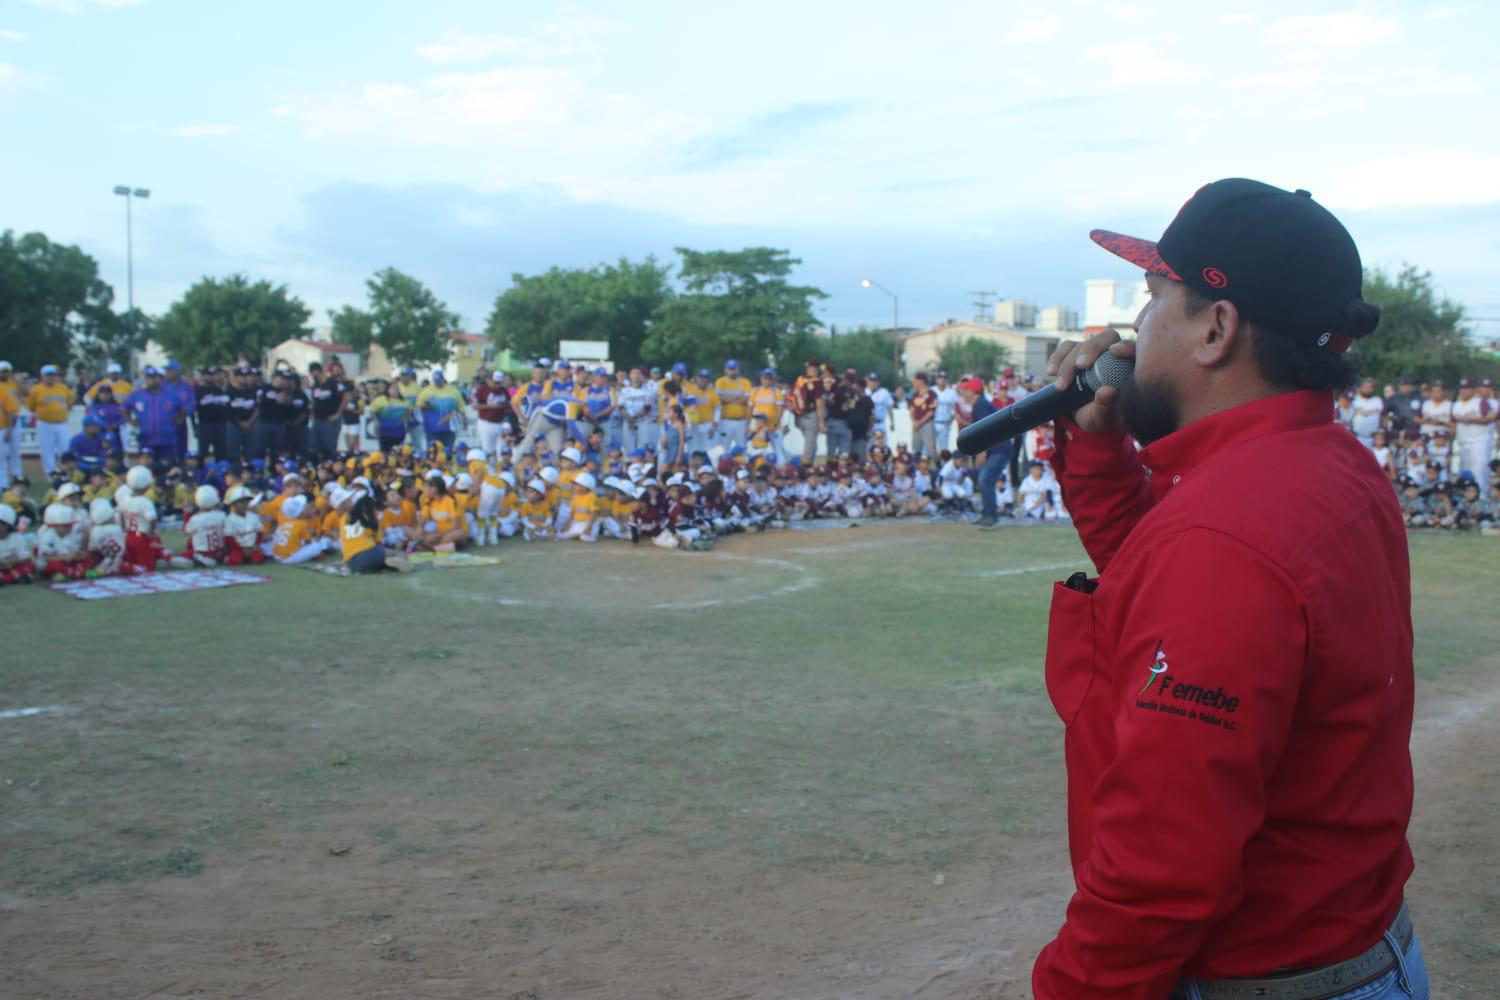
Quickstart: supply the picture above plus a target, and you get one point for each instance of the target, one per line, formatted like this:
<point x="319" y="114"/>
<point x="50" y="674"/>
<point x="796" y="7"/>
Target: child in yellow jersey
<point x="466" y="495"/>
<point x="762" y="443"/>
<point x="569" y="465"/>
<point x="497" y="511"/>
<point x="615" y="508"/>
<point x="397" y="521"/>
<point x="296" y="539"/>
<point x="584" y="511"/>
<point x="443" y="528"/>
<point x="536" y="512"/>
<point x="359" y="524"/>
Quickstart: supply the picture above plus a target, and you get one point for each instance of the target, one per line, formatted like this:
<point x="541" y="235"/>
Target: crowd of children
<point x="372" y="511"/>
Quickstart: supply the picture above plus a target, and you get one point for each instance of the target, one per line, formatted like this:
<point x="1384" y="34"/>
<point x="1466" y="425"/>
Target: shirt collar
<point x="1179" y="453"/>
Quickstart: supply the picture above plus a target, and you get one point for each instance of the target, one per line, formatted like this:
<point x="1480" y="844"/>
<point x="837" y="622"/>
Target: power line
<point x="982" y="305"/>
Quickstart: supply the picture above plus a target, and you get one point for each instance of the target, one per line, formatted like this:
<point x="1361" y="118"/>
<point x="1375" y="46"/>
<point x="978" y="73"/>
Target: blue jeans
<point x="996" y="462"/>
<point x="1407" y="981"/>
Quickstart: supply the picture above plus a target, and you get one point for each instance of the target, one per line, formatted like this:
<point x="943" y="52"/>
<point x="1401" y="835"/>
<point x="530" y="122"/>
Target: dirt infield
<point x="392" y="871"/>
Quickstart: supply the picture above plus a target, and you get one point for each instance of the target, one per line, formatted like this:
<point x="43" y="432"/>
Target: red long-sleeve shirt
<point x="1237" y="691"/>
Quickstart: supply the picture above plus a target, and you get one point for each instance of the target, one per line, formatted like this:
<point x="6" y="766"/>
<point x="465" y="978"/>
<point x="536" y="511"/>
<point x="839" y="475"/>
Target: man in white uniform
<point x="1475" y="420"/>
<point x="1368" y="409"/>
<point x="947" y="407"/>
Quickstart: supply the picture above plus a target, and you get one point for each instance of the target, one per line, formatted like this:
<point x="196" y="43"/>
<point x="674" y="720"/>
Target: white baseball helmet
<point x="101" y="511"/>
<point x="206" y="497"/>
<point x="538" y="485"/>
<point x="139" y="478"/>
<point x="587" y="481"/>
<point x="549" y="476"/>
<point x="508" y="478"/>
<point x="573" y="455"/>
<point x="8" y="515"/>
<point x="294" y="506"/>
<point x="57" y="515"/>
<point x="236" y="494"/>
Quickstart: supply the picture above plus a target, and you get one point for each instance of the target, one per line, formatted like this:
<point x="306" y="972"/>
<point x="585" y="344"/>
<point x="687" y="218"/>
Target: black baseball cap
<point x="1284" y="260"/>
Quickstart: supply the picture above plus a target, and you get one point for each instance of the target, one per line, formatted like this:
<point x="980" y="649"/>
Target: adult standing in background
<point x="807" y="406"/>
<point x="186" y="397"/>
<point x="10" y="433"/>
<point x="330" y="395"/>
<point x="836" y="407"/>
<point x="212" y="413"/>
<point x="769" y="400"/>
<point x="637" y="409"/>
<point x="10" y="413"/>
<point x="923" y="407"/>
<point x="244" y="406"/>
<point x="733" y="392"/>
<point x="1474" y="422"/>
<point x="881" y="405"/>
<point x="994" y="464"/>
<point x="496" y="415"/>
<point x="599" y="404"/>
<point x="49" y="401"/>
<point x="156" y="414"/>
<point x="1367" y="412"/>
<point x="947" y="410"/>
<point x="114" y="378"/>
<point x="442" y="409"/>
<point x="407" y="387"/>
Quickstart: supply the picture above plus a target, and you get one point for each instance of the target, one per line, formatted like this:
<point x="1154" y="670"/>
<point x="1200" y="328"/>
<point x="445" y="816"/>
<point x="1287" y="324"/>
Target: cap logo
<point x="1215" y="278"/>
<point x="1325" y="338"/>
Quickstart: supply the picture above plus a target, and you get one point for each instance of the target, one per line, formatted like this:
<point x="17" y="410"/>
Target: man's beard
<point x="1149" y="408"/>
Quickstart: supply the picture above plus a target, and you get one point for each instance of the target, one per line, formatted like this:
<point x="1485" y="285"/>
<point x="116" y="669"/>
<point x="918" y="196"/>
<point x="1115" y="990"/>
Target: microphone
<point x="1045" y="405"/>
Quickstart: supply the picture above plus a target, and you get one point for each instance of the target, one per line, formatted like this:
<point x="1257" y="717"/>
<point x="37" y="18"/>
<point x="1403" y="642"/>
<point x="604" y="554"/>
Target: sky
<point x="937" y="148"/>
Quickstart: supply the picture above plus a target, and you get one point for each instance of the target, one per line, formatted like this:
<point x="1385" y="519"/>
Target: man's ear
<point x="1221" y="331"/>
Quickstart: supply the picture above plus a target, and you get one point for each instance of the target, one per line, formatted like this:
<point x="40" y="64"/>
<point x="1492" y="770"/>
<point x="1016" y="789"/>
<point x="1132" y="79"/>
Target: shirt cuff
<point x="1081" y="451"/>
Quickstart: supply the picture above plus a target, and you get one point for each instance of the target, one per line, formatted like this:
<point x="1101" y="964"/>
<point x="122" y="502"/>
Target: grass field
<point x="804" y="764"/>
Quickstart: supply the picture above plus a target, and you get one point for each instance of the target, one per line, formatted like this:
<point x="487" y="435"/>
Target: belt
<point x="1313" y="984"/>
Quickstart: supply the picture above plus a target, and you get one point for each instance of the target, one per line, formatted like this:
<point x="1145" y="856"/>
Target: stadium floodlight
<point x="895" y="322"/>
<point x="130" y="194"/>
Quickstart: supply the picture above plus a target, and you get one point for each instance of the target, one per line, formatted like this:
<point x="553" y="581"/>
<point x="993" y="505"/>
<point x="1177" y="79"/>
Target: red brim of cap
<point x="1142" y="253"/>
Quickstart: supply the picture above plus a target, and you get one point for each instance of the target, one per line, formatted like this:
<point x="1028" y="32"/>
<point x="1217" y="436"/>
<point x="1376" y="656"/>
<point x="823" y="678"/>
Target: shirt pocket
<point x="1070" y="650"/>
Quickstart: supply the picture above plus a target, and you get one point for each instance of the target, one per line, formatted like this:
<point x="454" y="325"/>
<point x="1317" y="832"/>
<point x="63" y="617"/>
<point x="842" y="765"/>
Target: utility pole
<point x="130" y="194"/>
<point x="982" y="306"/>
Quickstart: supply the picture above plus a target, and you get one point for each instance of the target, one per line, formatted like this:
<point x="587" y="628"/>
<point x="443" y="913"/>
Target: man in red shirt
<point x="923" y="404"/>
<point x="807" y="406"/>
<point x="497" y="416"/>
<point x="1237" y="682"/>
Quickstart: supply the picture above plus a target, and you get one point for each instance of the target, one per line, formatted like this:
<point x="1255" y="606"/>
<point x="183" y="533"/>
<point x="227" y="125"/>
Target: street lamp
<point x="130" y="194"/>
<point x="895" y="323"/>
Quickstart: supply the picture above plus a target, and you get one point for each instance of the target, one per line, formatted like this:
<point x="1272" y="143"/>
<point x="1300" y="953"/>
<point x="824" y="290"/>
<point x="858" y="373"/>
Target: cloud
<point x="764" y="134"/>
<point x="548" y="112"/>
<point x="1031" y="32"/>
<point x="1134" y="64"/>
<point x="78" y="6"/>
<point x="12" y="76"/>
<point x="1350" y="29"/>
<point x="1426" y="178"/>
<point x="554" y="40"/>
<point x="13" y="36"/>
<point x="203" y="131"/>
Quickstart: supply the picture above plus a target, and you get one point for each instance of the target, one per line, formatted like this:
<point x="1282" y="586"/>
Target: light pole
<point x="130" y="194"/>
<point x="895" y="323"/>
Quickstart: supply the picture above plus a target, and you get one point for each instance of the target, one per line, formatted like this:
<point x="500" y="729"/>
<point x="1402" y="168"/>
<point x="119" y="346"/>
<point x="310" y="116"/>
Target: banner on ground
<point x="156" y="583"/>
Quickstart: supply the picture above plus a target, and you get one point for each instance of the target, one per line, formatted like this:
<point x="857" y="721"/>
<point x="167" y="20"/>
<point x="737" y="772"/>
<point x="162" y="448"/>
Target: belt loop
<point x="1402" y="979"/>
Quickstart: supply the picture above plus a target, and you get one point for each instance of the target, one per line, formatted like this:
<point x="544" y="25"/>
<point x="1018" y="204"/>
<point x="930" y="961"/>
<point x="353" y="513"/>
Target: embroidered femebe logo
<point x="1157" y="668"/>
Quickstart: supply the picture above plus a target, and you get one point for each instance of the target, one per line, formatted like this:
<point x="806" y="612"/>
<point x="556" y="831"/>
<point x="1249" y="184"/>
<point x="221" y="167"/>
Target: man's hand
<point x="1071" y="357"/>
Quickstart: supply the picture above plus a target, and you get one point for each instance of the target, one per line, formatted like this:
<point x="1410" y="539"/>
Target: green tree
<point x="405" y="318"/>
<point x="219" y="319"/>
<point x="972" y="356"/>
<point x="51" y="300"/>
<point x="734" y="304"/>
<point x="1421" y="332"/>
<point x="113" y="337"/>
<point x="613" y="303"/>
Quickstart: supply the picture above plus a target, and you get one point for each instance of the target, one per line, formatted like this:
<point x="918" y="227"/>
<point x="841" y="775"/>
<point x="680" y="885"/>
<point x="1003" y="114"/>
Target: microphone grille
<point x="1109" y="370"/>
